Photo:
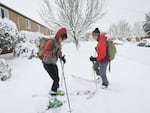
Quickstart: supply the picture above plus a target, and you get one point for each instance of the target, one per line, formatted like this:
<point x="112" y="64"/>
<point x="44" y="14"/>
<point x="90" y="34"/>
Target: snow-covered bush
<point x="5" y="70"/>
<point x="27" y="47"/>
<point x="8" y="34"/>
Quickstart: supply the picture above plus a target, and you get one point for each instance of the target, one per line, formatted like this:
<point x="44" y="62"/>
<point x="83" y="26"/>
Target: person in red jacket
<point x="52" y="51"/>
<point x="101" y="58"/>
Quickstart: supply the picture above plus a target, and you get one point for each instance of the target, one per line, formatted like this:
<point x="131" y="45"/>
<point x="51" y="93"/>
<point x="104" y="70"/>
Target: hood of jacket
<point x="103" y="36"/>
<point x="60" y="32"/>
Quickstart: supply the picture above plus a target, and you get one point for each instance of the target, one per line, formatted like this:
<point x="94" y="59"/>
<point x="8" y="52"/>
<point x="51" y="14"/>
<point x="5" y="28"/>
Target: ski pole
<point x="95" y="77"/>
<point x="61" y="81"/>
<point x="63" y="75"/>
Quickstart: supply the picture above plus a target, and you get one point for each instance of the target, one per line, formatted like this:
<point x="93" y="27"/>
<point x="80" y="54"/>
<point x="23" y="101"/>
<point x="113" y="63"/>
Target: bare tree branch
<point x="78" y="16"/>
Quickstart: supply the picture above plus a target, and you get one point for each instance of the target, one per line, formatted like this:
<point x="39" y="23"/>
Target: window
<point x="28" y="24"/>
<point x="4" y="13"/>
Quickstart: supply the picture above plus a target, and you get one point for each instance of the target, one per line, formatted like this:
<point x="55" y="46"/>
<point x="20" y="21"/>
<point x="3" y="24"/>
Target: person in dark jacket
<point x="52" y="51"/>
<point x="101" y="58"/>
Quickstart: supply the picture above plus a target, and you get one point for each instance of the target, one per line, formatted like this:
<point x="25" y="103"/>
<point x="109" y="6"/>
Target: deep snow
<point x="128" y="92"/>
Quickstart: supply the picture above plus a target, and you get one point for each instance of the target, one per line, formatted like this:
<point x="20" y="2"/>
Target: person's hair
<point x="64" y="36"/>
<point x="96" y="31"/>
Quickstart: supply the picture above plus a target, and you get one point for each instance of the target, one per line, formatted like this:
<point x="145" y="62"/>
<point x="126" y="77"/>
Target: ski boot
<point x="60" y="92"/>
<point x="54" y="103"/>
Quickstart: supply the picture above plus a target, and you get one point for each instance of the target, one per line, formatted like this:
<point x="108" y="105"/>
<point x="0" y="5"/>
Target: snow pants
<point x="52" y="70"/>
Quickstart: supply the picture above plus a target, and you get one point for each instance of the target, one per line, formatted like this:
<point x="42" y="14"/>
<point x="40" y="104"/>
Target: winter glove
<point x="93" y="58"/>
<point x="63" y="59"/>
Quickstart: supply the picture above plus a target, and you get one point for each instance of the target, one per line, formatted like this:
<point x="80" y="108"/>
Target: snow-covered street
<point x="128" y="91"/>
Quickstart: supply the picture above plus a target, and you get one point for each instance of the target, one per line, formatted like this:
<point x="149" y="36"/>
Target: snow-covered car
<point x="5" y="70"/>
<point x="142" y="43"/>
<point x="147" y="43"/>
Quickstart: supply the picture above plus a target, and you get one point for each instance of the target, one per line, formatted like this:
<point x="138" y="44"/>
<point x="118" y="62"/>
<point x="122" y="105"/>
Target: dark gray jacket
<point x="52" y="51"/>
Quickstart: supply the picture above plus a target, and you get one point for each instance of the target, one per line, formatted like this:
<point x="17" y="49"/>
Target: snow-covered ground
<point x="128" y="92"/>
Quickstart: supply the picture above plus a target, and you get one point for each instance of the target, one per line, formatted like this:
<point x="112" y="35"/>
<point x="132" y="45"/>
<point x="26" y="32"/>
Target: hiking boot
<point x="60" y="93"/>
<point x="104" y="86"/>
<point x="54" y="103"/>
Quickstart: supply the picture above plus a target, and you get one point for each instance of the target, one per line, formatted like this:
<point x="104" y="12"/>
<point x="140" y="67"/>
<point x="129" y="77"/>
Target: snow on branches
<point x="5" y="70"/>
<point x="28" y="45"/>
<point x="8" y="34"/>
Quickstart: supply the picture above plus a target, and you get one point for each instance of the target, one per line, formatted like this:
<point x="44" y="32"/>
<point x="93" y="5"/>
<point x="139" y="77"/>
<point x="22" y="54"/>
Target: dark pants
<point x="52" y="70"/>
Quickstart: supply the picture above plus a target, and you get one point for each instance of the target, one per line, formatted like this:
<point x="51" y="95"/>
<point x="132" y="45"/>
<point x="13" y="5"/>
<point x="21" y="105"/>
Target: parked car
<point x="142" y="43"/>
<point x="147" y="43"/>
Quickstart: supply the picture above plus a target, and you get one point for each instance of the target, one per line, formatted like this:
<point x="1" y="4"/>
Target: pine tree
<point x="147" y="24"/>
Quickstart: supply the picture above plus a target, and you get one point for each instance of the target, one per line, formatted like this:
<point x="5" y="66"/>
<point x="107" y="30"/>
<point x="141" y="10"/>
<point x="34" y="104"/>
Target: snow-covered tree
<point x="147" y="24"/>
<point x="122" y="29"/>
<point x="8" y="34"/>
<point x="137" y="29"/>
<point x="77" y="15"/>
<point x="113" y="30"/>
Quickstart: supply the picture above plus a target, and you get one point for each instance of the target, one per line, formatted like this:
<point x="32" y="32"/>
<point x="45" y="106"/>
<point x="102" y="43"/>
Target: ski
<point x="59" y="93"/>
<point x="91" y="95"/>
<point x="88" y="93"/>
<point x="52" y="109"/>
<point x="75" y="93"/>
<point x="87" y="80"/>
<point x="40" y="95"/>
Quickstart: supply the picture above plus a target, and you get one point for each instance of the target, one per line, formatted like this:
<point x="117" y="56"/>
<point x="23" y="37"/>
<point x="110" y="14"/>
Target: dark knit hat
<point x="96" y="31"/>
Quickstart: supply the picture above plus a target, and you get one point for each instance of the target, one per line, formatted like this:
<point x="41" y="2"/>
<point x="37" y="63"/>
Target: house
<point x="22" y="22"/>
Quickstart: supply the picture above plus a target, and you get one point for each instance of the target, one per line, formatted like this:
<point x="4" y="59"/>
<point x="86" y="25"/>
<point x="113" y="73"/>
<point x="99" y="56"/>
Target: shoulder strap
<point x="53" y="40"/>
<point x="109" y="66"/>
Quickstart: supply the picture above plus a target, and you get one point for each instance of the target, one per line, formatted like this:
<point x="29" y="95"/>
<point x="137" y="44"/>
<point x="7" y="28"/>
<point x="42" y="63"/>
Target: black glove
<point x="93" y="58"/>
<point x="63" y="59"/>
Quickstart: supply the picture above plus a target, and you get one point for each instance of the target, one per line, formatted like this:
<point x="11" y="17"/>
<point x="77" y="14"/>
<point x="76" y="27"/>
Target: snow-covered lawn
<point x="128" y="92"/>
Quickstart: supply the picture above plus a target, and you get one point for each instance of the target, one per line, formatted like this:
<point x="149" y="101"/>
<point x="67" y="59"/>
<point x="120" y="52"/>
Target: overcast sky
<point x="130" y="10"/>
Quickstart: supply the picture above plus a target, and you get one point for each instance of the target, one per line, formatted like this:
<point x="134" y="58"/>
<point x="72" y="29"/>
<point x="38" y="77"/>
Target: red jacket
<point x="102" y="49"/>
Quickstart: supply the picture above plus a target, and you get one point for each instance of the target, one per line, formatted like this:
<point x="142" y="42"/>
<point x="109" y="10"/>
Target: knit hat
<point x="96" y="31"/>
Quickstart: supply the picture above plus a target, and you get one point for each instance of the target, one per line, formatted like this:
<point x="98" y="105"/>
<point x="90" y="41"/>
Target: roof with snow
<point x="28" y="8"/>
